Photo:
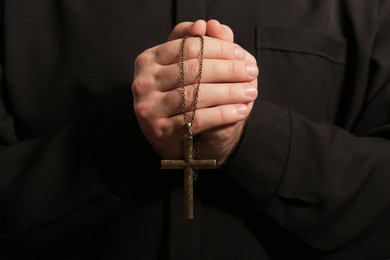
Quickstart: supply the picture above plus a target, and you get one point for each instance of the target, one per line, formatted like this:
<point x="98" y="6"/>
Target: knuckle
<point x="192" y="48"/>
<point x="223" y="52"/>
<point x="232" y="91"/>
<point x="144" y="59"/>
<point x="162" y="129"/>
<point x="191" y="70"/>
<point x="188" y="95"/>
<point x="222" y="114"/>
<point x="233" y="69"/>
<point x="140" y="84"/>
<point x="142" y="109"/>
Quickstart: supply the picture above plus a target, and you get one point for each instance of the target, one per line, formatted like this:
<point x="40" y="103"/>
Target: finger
<point x="209" y="95"/>
<point x="213" y="71"/>
<point x="217" y="30"/>
<point x="188" y="29"/>
<point x="212" y="28"/>
<point x="169" y="53"/>
<point x="179" y="31"/>
<point x="197" y="28"/>
<point x="212" y="117"/>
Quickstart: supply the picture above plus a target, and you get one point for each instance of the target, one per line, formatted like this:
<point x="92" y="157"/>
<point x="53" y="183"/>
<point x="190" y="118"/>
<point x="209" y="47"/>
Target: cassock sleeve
<point x="55" y="189"/>
<point x="326" y="185"/>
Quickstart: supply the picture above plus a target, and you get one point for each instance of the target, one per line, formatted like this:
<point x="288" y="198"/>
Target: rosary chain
<point x="188" y="132"/>
<point x="199" y="77"/>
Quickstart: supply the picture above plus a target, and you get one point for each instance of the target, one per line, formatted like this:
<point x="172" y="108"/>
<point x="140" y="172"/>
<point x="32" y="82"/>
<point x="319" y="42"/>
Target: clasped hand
<point x="227" y="91"/>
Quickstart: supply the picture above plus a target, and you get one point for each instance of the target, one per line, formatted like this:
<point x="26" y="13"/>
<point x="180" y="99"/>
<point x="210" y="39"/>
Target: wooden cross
<point x="189" y="165"/>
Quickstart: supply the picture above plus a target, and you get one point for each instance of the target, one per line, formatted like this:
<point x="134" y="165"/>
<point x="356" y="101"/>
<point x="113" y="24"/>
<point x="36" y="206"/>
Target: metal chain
<point x="188" y="132"/>
<point x="199" y="77"/>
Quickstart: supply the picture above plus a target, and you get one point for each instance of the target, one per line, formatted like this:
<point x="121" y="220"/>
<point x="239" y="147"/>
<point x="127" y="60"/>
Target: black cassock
<point x="309" y="179"/>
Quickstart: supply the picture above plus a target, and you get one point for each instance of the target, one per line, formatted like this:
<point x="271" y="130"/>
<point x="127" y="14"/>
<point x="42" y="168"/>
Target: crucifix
<point x="190" y="163"/>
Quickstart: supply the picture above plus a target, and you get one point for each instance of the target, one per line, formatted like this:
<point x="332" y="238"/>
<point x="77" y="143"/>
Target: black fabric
<point x="309" y="179"/>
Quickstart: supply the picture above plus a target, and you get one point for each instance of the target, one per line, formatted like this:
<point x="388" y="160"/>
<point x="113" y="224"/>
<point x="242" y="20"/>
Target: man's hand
<point x="227" y="91"/>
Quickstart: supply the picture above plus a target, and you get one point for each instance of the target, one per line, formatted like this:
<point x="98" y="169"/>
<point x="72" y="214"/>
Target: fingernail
<point x="241" y="109"/>
<point x="250" y="90"/>
<point x="239" y="53"/>
<point x="251" y="69"/>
